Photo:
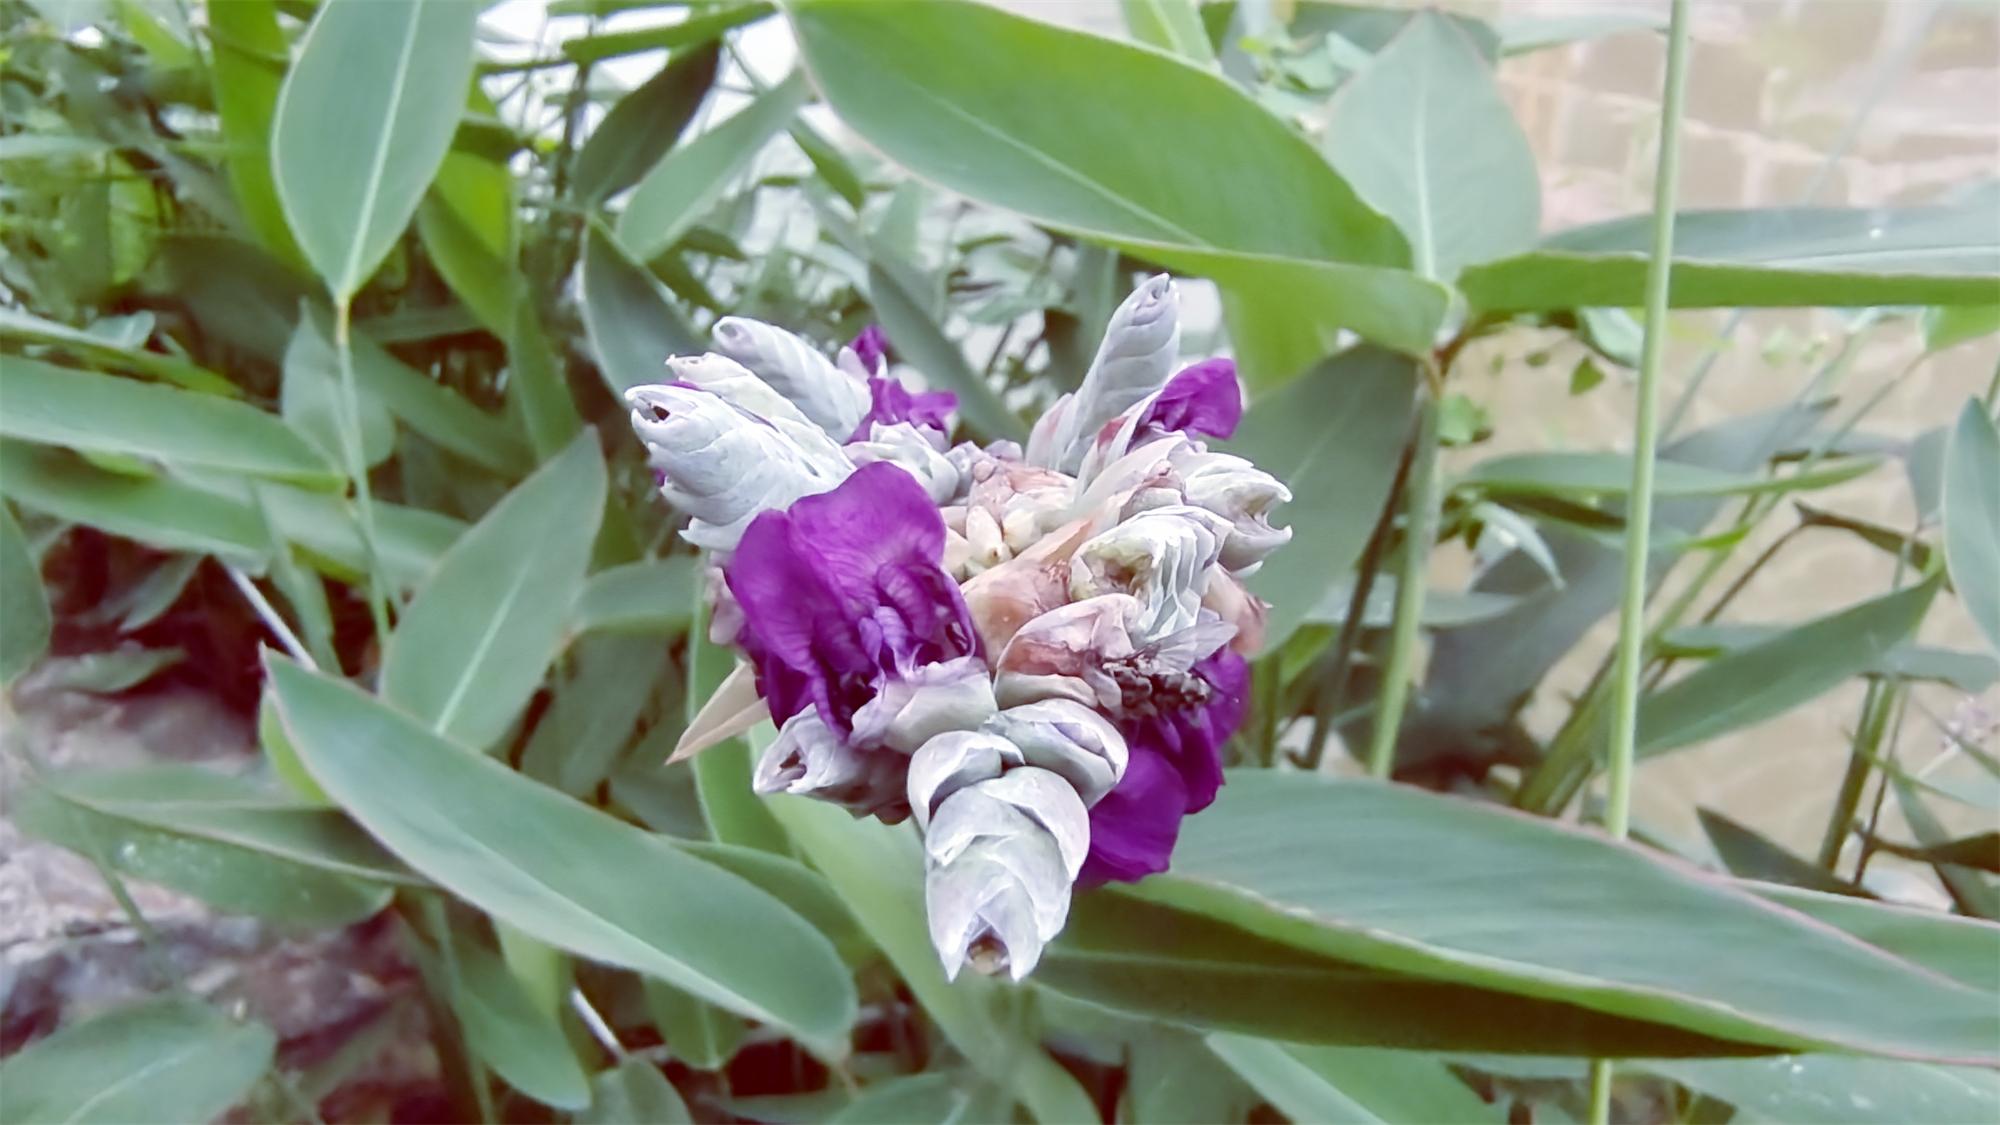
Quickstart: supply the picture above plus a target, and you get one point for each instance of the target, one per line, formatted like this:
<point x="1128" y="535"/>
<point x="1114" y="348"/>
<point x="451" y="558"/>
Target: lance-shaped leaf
<point x="682" y="187"/>
<point x="1972" y="517"/>
<point x="561" y="871"/>
<point x="363" y="121"/>
<point x="161" y="1060"/>
<point x="1947" y="254"/>
<point x="94" y="413"/>
<point x="472" y="647"/>
<point x="632" y="325"/>
<point x="1458" y="892"/>
<point x="24" y="605"/>
<point x="937" y="87"/>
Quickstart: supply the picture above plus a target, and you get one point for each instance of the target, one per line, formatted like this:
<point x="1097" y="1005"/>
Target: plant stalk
<point x="1419" y="528"/>
<point x="357" y="467"/>
<point x="1645" y="449"/>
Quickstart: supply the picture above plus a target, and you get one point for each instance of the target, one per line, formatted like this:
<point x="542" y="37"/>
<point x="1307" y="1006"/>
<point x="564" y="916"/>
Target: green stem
<point x="357" y="467"/>
<point x="1645" y="449"/>
<point x="1420" y="526"/>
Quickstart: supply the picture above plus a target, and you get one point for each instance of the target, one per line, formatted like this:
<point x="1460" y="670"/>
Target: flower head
<point x="1038" y="655"/>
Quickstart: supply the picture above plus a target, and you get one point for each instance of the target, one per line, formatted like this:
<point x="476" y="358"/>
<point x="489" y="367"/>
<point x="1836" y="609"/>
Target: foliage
<point x="336" y="300"/>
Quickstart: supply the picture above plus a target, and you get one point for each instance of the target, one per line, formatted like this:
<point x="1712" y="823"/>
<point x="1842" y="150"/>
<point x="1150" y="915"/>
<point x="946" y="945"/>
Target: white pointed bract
<point x="1099" y="568"/>
<point x="833" y="399"/>
<point x="721" y="464"/>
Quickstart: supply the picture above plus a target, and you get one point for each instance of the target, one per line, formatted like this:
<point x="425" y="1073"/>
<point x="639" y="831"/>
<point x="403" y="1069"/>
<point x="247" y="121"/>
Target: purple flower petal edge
<point x="842" y="591"/>
<point x="1204" y="398"/>
<point x="891" y="402"/>
<point x="1175" y="768"/>
<point x="871" y="347"/>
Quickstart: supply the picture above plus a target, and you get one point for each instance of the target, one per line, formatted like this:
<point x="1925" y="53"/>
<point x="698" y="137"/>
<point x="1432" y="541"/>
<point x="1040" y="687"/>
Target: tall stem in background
<point x="1645" y="447"/>
<point x="1419" y="528"/>
<point x="357" y="467"/>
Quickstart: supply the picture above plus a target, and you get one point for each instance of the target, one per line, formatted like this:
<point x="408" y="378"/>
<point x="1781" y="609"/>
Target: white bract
<point x="835" y="400"/>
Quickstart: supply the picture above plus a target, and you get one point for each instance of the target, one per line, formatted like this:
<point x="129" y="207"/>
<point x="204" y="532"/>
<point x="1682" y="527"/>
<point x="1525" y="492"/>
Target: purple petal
<point x="892" y="402"/>
<point x="1133" y="827"/>
<point x="1203" y="399"/>
<point x="844" y="589"/>
<point x="871" y="348"/>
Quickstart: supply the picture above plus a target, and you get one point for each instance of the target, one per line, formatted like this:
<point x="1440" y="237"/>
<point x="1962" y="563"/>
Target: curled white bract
<point x="834" y="399"/>
<point x="1001" y="857"/>
<point x="1161" y="557"/>
<point x="1241" y="494"/>
<point x="906" y="446"/>
<point x="721" y="464"/>
<point x="1066" y="738"/>
<point x="908" y="710"/>
<point x="808" y="759"/>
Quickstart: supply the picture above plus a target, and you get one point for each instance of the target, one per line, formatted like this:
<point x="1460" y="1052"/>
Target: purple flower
<point x="1174" y="768"/>
<point x="842" y="591"/>
<point x="1203" y="399"/>
<point x="891" y="402"/>
<point x="871" y="348"/>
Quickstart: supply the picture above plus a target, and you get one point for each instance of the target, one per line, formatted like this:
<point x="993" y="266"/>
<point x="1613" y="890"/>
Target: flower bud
<point x="1065" y="738"/>
<point x="1002" y="855"/>
<point x="808" y="759"/>
<point x="739" y="387"/>
<point x="950" y="762"/>
<point x="1135" y="359"/>
<point x="721" y="464"/>
<point x="831" y="398"/>
<point x="1161" y="557"/>
<point x="908" y="710"/>
<point x="903" y="445"/>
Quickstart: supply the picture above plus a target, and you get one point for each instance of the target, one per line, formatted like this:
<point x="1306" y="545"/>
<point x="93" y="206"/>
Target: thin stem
<point x="268" y="614"/>
<point x="357" y="467"/>
<point x="1645" y="449"/>
<point x="1420" y="526"/>
<point x="599" y="1029"/>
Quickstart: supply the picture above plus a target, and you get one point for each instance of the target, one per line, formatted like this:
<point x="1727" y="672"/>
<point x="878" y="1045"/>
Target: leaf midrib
<point x="380" y="161"/>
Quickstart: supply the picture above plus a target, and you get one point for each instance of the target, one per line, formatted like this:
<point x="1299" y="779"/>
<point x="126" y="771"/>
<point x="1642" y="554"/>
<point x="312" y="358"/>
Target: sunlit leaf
<point x="1972" y="517"/>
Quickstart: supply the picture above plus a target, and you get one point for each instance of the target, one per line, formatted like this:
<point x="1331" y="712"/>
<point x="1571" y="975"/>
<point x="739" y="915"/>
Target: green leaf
<point x="632" y="324"/>
<point x="1786" y="258"/>
<point x="1836" y="1090"/>
<point x="1458" y="892"/>
<point x="1610" y="474"/>
<point x="722" y="774"/>
<point x="643" y="125"/>
<point x="1423" y="134"/>
<point x="250" y="55"/>
<point x="654" y="596"/>
<point x="937" y="88"/>
<point x="310" y="399"/>
<point x="437" y="412"/>
<point x="674" y="36"/>
<point x="161" y="1060"/>
<point x="1352" y="1084"/>
<point x="467" y="226"/>
<point x="1180" y="967"/>
<point x="124" y="355"/>
<point x="538" y="384"/>
<point x="522" y="1043"/>
<point x="1174" y="1079"/>
<point x="878" y="873"/>
<point x="363" y="121"/>
<point x="698" y="1033"/>
<point x="1972" y="517"/>
<point x="217" y="838"/>
<point x="634" y="1090"/>
<point x="579" y="737"/>
<point x="158" y="511"/>
<point x="105" y="414"/>
<point x="1334" y="438"/>
<point x="1750" y="855"/>
<point x="918" y="340"/>
<point x="1951" y="325"/>
<point x="1970" y="672"/>
<point x="24" y="604"/>
<point x="688" y="181"/>
<point x="1749" y="685"/>
<point x="561" y="871"/>
<point x="911" y="1099"/>
<point x="471" y="649"/>
<point x="1960" y="948"/>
